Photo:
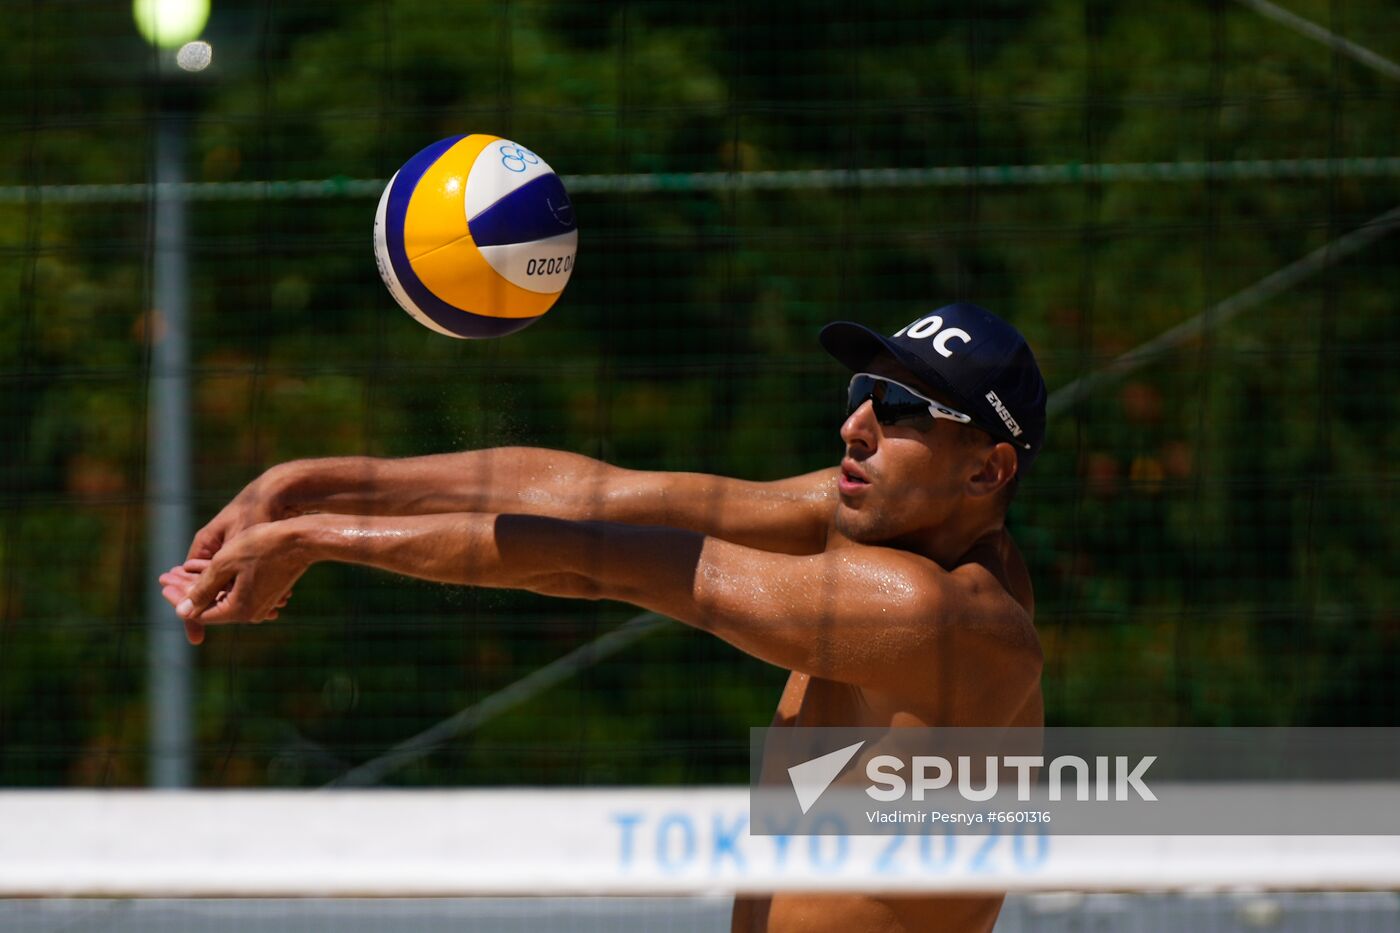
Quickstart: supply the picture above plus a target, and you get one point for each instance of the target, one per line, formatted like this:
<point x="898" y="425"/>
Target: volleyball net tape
<point x="628" y="841"/>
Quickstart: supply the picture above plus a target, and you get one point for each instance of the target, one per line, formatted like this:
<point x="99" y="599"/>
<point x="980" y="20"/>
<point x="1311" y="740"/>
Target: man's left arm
<point x="859" y="615"/>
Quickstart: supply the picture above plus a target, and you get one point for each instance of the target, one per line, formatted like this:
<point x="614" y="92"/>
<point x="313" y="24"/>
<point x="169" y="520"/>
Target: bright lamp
<point x="169" y="24"/>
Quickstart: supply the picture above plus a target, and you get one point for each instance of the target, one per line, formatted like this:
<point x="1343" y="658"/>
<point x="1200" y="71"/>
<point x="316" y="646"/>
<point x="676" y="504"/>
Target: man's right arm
<point x="787" y="516"/>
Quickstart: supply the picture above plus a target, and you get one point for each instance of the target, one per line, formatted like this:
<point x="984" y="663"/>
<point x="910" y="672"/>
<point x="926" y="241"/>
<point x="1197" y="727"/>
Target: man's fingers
<point x="205" y="544"/>
<point x="226" y="609"/>
<point x="175" y="584"/>
<point x="178" y="575"/>
<point x="203" y="592"/>
<point x="196" y="564"/>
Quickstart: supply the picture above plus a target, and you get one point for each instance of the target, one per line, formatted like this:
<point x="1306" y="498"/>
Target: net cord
<point x="1306" y="27"/>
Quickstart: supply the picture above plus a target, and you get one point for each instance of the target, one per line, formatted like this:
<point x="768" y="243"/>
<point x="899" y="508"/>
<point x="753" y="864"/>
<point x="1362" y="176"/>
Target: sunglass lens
<point x="894" y="405"/>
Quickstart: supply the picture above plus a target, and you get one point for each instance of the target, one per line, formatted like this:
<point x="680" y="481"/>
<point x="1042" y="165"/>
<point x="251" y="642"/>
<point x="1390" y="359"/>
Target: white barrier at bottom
<point x="599" y="842"/>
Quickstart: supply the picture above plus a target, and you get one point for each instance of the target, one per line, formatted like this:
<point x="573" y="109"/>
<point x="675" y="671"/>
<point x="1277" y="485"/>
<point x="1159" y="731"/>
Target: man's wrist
<point x="286" y="489"/>
<point x="306" y="539"/>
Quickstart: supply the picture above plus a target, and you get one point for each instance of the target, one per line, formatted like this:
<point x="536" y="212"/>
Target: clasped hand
<point x="248" y="578"/>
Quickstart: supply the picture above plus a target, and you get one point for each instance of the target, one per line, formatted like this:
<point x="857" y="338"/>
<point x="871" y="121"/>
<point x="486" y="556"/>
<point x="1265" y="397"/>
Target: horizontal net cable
<point x="952" y="176"/>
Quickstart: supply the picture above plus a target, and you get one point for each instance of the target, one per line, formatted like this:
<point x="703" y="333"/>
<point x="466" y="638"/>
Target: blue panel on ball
<point x="464" y="324"/>
<point x="397" y="210"/>
<point x="536" y="210"/>
<point x="499" y="326"/>
<point x="458" y="320"/>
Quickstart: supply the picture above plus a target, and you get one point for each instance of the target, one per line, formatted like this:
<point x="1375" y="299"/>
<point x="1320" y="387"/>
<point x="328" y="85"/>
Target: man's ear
<point x="997" y="467"/>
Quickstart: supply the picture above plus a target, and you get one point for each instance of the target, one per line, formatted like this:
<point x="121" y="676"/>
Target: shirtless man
<point x="888" y="586"/>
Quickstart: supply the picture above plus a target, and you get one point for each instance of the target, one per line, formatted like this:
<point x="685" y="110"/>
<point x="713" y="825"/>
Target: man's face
<point x="898" y="480"/>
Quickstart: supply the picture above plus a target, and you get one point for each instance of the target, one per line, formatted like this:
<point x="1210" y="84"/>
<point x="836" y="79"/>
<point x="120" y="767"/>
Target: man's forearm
<point x="788" y="515"/>
<point x="651" y="566"/>
<point x="506" y="479"/>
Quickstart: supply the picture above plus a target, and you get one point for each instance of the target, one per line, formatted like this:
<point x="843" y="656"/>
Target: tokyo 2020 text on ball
<point x="475" y="236"/>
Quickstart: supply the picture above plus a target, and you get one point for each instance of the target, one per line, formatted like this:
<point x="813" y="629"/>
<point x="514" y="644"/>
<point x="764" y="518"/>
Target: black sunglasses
<point x="897" y="404"/>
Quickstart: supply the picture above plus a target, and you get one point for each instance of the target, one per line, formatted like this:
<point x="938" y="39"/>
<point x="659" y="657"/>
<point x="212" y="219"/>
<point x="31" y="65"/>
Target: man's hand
<point x="248" y="580"/>
<point x="262" y="500"/>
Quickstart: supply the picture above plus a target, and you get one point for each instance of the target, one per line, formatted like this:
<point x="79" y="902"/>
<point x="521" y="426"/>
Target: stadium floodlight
<point x="169" y="24"/>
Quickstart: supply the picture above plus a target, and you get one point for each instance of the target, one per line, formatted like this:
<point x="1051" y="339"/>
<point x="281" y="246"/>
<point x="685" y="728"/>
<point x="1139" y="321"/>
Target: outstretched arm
<point x="788" y="515"/>
<point x="872" y="616"/>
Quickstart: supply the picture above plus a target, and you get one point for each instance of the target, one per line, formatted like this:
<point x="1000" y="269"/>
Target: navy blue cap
<point x="982" y="363"/>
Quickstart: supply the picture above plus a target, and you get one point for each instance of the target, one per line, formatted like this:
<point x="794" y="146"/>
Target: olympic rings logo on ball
<point x="517" y="158"/>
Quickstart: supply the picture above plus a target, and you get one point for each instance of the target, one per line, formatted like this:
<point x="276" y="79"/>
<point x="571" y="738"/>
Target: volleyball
<point x="475" y="236"/>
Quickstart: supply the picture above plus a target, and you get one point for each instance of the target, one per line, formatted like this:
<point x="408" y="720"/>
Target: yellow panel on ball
<point x="459" y="275"/>
<point x="435" y="214"/>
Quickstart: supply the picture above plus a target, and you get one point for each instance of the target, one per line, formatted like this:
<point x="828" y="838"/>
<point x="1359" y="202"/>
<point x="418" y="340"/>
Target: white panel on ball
<point x="501" y="167"/>
<point x="386" y="268"/>
<point x="542" y="266"/>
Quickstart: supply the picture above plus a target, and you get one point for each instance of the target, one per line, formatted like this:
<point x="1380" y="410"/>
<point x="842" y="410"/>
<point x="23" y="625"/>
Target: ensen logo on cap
<point x="1005" y="415"/>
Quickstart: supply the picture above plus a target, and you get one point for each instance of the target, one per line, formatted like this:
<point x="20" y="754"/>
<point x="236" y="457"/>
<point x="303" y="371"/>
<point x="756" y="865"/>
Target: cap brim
<point x="856" y="346"/>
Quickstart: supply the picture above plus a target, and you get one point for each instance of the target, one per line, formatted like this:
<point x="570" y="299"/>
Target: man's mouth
<point x="853" y="478"/>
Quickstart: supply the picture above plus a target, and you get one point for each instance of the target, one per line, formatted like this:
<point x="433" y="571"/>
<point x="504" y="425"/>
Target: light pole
<point x="169" y="25"/>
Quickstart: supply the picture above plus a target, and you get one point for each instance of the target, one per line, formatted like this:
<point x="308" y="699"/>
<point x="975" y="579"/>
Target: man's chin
<point x="859" y="525"/>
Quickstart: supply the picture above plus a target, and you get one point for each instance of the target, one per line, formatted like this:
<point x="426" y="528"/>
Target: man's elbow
<point x="564" y="584"/>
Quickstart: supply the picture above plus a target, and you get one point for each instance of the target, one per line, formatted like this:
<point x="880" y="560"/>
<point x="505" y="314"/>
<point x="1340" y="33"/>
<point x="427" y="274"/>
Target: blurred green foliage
<point x="1211" y="539"/>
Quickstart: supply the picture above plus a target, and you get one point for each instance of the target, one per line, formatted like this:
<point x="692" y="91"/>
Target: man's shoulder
<point x="991" y="566"/>
<point x="996" y="558"/>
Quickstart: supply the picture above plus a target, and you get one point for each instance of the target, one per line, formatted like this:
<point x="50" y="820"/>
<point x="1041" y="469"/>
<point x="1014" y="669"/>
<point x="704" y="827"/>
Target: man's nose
<point x="861" y="427"/>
